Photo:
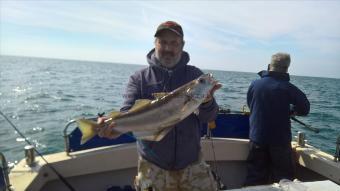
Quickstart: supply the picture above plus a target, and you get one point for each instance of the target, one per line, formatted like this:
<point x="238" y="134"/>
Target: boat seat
<point x="229" y="125"/>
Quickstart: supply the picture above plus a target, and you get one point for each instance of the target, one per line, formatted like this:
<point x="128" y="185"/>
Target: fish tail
<point x="87" y="128"/>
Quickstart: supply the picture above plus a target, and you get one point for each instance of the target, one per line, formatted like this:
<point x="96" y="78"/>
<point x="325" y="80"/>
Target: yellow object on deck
<point x="212" y="125"/>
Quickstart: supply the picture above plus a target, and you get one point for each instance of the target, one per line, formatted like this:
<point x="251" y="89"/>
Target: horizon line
<point x="111" y="62"/>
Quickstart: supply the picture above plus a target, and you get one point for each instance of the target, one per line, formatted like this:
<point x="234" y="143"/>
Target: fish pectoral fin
<point x="152" y="135"/>
<point x="87" y="129"/>
<point x="139" y="104"/>
<point x="159" y="95"/>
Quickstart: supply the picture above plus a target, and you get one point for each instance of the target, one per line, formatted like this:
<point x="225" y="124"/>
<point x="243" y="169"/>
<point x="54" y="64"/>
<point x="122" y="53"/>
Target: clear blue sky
<point x="224" y="35"/>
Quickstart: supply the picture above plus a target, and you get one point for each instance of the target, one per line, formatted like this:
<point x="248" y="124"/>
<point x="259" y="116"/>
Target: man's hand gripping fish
<point x="153" y="119"/>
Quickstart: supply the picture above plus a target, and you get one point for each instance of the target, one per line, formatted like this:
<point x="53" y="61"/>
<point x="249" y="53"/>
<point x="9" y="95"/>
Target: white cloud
<point x="73" y="16"/>
<point x="259" y="19"/>
<point x="215" y="31"/>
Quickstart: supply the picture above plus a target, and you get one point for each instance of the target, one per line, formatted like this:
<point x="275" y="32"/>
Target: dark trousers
<point x="268" y="164"/>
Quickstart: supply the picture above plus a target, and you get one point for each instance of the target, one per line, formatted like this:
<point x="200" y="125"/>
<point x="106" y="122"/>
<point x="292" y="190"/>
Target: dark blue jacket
<point x="181" y="146"/>
<point x="270" y="99"/>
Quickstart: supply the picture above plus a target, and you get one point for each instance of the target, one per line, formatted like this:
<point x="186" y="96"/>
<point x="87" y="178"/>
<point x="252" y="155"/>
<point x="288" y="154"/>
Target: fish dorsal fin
<point x="114" y="114"/>
<point x="159" y="95"/>
<point x="139" y="104"/>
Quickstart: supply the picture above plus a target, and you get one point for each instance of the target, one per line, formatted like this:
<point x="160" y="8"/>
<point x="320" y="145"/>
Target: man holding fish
<point x="168" y="127"/>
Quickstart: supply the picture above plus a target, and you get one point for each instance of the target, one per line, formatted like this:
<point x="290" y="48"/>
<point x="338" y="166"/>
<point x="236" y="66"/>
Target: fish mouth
<point x="212" y="79"/>
<point x="208" y="77"/>
<point x="214" y="82"/>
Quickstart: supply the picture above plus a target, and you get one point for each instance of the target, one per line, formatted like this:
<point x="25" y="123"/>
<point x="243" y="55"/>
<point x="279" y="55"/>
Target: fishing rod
<point x="316" y="130"/>
<point x="215" y="173"/>
<point x="67" y="184"/>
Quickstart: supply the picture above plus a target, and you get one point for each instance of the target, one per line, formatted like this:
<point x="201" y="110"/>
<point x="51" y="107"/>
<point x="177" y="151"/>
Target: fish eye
<point x="201" y="80"/>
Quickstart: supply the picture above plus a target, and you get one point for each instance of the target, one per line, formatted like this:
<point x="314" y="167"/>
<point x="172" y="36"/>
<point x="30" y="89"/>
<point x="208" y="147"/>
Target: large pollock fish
<point x="153" y="119"/>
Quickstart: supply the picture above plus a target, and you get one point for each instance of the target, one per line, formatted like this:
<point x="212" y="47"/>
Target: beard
<point x="168" y="59"/>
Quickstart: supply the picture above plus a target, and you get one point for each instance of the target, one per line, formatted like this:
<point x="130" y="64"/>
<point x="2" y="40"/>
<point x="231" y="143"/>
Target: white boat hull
<point x="102" y="168"/>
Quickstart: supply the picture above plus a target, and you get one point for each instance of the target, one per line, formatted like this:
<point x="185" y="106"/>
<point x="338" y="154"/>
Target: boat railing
<point x="67" y="136"/>
<point x="4" y="171"/>
<point x="337" y="150"/>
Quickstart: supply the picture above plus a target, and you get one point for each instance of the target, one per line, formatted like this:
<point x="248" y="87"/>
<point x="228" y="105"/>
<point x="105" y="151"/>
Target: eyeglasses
<point x="172" y="44"/>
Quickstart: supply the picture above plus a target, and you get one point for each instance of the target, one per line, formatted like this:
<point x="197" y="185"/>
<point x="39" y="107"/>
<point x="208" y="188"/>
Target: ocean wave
<point x="50" y="92"/>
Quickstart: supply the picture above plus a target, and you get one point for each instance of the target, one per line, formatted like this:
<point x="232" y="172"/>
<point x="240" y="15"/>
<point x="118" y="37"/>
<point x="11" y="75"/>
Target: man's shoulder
<point x="141" y="71"/>
<point x="272" y="82"/>
<point x="194" y="70"/>
<point x="292" y="87"/>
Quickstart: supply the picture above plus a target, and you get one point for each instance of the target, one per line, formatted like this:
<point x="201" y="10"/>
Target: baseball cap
<point x="170" y="25"/>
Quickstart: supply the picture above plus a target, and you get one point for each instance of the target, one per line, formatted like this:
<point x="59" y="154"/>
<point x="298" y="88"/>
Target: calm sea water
<point x="41" y="95"/>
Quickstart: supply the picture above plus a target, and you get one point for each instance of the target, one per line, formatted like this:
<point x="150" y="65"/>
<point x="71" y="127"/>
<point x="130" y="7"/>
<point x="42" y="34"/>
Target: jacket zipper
<point x="167" y="87"/>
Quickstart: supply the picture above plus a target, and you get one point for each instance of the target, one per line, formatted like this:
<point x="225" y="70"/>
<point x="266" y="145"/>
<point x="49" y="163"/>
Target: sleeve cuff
<point x="207" y="104"/>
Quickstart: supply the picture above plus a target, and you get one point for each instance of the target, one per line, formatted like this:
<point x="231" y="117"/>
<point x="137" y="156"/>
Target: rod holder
<point x="301" y="139"/>
<point x="29" y="155"/>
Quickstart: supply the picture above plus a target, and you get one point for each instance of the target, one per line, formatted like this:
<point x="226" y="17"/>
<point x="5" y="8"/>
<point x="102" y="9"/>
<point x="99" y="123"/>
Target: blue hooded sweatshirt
<point x="270" y="99"/>
<point x="181" y="146"/>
